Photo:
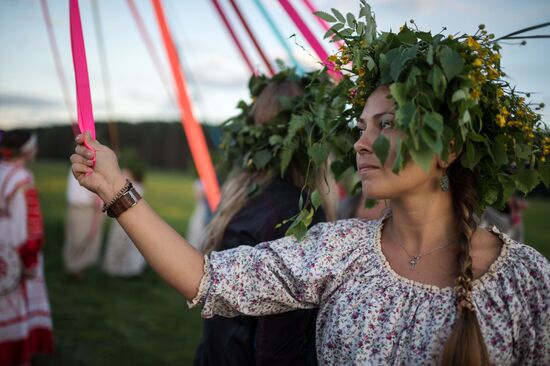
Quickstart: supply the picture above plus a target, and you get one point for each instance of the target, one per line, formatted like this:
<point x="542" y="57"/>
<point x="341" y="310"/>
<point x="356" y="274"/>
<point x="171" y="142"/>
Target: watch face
<point x="10" y="269"/>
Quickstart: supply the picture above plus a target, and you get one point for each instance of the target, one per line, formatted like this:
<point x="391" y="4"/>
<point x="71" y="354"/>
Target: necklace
<point x="413" y="259"/>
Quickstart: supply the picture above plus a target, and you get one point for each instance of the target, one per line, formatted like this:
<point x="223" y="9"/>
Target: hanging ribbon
<point x="310" y="38"/>
<point x="151" y="48"/>
<point x="193" y="131"/>
<point x="323" y="24"/>
<point x="252" y="37"/>
<point x="58" y="65"/>
<point x="278" y="34"/>
<point x="112" y="127"/>
<point x="233" y="36"/>
<point x="83" y="98"/>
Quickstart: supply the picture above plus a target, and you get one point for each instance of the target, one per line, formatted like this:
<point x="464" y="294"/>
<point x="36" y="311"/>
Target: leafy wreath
<point x="308" y="129"/>
<point x="499" y="134"/>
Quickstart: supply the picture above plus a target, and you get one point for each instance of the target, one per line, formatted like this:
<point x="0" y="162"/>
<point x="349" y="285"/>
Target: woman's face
<point x="378" y="181"/>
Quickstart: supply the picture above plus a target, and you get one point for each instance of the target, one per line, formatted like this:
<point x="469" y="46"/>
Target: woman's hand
<point x="105" y="178"/>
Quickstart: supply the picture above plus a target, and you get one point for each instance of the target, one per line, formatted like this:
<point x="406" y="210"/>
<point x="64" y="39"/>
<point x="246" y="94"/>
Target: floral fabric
<point x="368" y="314"/>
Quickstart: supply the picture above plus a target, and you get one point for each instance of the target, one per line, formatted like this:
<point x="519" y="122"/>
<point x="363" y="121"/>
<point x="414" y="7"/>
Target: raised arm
<point x="172" y="257"/>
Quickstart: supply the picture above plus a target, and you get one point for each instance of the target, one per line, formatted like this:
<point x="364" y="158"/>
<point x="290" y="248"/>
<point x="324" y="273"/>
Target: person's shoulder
<point x="353" y="231"/>
<point x="524" y="265"/>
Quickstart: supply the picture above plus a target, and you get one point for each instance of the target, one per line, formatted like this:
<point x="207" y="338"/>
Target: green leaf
<point x="459" y="95"/>
<point x="370" y="202"/>
<point x="400" y="150"/>
<point x="472" y="156"/>
<point x="431" y="135"/>
<point x="451" y="62"/>
<point x="371" y="65"/>
<point x="351" y="19"/>
<point x="261" y="158"/>
<point x="275" y="139"/>
<point x="325" y="16"/>
<point x="319" y="153"/>
<point x="332" y="30"/>
<point x="316" y="199"/>
<point x="405" y="114"/>
<point x="422" y="156"/>
<point x="430" y="55"/>
<point x="527" y="179"/>
<point x="544" y="173"/>
<point x="381" y="148"/>
<point x="399" y="93"/>
<point x="434" y="121"/>
<point x="437" y="80"/>
<point x="338" y="15"/>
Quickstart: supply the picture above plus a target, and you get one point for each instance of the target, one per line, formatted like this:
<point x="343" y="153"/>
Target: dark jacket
<point x="280" y="339"/>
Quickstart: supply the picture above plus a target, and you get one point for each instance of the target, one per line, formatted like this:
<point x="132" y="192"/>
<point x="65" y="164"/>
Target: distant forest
<point x="157" y="144"/>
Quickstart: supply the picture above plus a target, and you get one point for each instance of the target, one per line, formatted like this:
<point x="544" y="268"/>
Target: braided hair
<point x="465" y="345"/>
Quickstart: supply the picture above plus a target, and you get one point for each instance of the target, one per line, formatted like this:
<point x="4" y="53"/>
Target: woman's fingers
<point x="79" y="169"/>
<point x="75" y="158"/>
<point x="84" y="151"/>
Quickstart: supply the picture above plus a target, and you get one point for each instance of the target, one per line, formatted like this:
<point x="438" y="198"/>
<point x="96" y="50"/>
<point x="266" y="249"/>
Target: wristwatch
<point x="128" y="199"/>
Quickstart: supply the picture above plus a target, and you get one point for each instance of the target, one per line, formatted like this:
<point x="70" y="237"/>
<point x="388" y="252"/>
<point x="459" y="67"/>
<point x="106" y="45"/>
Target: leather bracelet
<point x="124" y="189"/>
<point x="124" y="202"/>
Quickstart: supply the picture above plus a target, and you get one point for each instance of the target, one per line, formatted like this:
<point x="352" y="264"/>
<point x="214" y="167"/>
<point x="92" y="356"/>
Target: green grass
<point x="109" y="321"/>
<point x="536" y="225"/>
<point x="105" y="321"/>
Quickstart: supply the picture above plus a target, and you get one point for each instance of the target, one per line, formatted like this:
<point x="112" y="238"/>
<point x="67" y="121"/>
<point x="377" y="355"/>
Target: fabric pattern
<point x="368" y="314"/>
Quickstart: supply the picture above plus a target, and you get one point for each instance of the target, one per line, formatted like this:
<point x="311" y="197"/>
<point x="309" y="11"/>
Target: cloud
<point x="8" y="100"/>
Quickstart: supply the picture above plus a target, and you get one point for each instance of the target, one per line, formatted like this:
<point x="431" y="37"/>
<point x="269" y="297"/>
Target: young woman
<point x="25" y="320"/>
<point x="423" y="284"/>
<point x="248" y="219"/>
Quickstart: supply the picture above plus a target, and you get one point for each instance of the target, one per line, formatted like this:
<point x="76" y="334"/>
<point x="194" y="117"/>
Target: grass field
<point x="103" y="321"/>
<point x="108" y="321"/>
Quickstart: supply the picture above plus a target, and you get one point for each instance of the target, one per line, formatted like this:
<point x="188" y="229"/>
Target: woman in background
<point x="25" y="320"/>
<point x="245" y="217"/>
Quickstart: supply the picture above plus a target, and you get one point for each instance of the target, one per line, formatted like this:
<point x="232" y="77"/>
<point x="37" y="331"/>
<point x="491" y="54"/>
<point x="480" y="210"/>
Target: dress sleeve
<point x="30" y="249"/>
<point x="280" y="275"/>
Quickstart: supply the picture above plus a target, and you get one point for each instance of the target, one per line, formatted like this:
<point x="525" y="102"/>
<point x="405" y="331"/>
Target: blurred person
<point x="509" y="220"/>
<point x="122" y="258"/>
<point x="200" y="217"/>
<point x="25" y="319"/>
<point x="253" y="203"/>
<point x="83" y="230"/>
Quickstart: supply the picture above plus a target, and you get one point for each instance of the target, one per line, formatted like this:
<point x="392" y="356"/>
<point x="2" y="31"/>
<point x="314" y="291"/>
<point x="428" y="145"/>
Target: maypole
<point x="193" y="131"/>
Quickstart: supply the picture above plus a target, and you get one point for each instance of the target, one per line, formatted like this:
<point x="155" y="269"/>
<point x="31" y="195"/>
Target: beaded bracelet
<point x="124" y="189"/>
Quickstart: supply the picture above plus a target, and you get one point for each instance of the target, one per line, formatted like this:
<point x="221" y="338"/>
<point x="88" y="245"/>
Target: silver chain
<point x="413" y="259"/>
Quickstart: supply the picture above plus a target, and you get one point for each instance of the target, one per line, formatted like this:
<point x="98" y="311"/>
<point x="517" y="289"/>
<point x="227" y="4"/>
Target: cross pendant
<point x="413" y="261"/>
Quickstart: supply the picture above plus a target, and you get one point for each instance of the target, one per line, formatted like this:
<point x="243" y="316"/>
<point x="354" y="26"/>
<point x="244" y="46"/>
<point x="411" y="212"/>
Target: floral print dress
<point x="370" y="315"/>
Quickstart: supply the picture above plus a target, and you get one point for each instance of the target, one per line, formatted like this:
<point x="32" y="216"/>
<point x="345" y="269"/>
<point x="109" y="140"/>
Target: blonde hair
<point x="236" y="191"/>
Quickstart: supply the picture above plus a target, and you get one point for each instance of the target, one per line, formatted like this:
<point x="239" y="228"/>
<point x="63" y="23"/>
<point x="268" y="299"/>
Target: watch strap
<point x="129" y="199"/>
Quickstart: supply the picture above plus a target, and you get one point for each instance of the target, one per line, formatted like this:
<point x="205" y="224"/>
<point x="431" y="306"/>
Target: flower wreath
<point x="499" y="135"/>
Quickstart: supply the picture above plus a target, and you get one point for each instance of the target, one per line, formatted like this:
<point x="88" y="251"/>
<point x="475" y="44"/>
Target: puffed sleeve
<point x="280" y="275"/>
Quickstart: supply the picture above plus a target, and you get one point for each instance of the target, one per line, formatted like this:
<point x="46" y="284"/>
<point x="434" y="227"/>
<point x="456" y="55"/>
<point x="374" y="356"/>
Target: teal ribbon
<point x="279" y="36"/>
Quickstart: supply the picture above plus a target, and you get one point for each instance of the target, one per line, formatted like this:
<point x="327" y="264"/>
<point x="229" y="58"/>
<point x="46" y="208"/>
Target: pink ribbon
<point x="83" y="98"/>
<point x="310" y="38"/>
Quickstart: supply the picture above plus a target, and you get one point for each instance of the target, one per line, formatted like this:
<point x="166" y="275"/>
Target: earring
<point x="444" y="182"/>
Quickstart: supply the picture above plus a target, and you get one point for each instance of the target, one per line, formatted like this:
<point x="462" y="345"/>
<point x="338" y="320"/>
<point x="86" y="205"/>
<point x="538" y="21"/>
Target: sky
<point x="31" y="95"/>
